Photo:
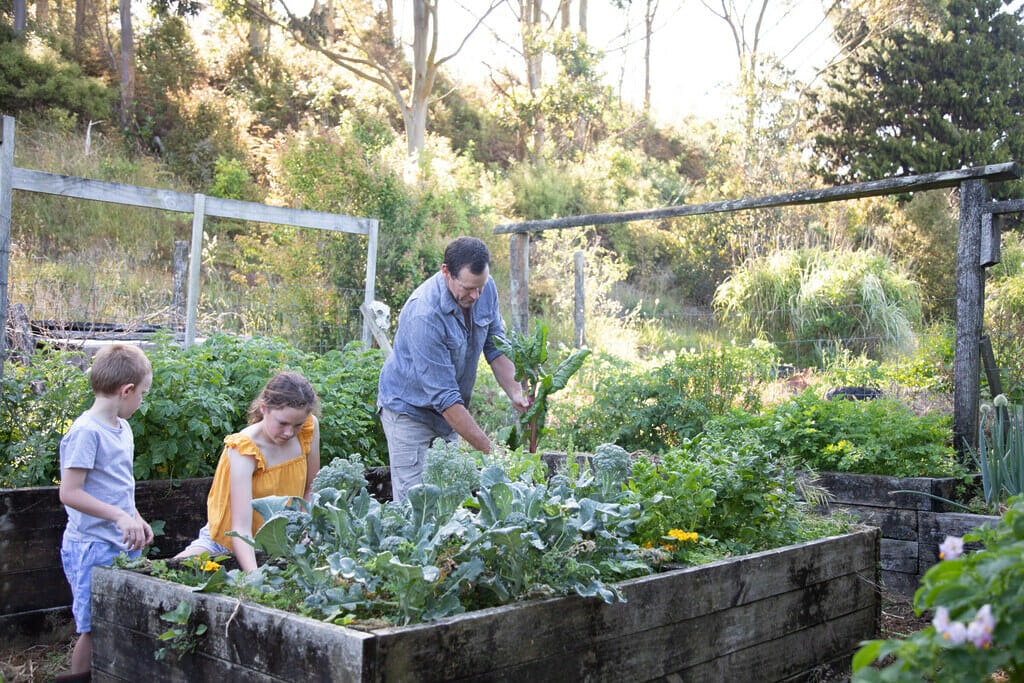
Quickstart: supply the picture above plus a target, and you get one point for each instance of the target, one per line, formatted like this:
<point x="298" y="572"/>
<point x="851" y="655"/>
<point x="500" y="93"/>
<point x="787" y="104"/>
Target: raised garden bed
<point x="792" y="613"/>
<point x="912" y="524"/>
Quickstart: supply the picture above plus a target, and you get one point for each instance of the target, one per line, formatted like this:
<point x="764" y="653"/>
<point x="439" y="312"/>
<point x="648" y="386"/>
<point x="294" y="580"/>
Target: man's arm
<point x="505" y="372"/>
<point x="466" y="427"/>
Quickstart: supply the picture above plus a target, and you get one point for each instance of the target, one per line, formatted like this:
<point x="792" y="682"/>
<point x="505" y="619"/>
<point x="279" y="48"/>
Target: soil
<point x="39" y="663"/>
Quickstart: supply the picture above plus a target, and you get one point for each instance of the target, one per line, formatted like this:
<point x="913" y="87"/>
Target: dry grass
<point x="32" y="663"/>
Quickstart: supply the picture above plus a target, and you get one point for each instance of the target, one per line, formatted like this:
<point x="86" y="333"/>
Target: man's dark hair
<point x="466" y="251"/>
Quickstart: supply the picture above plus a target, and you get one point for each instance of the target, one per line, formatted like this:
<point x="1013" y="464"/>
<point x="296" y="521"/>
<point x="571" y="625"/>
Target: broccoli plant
<point x="529" y="353"/>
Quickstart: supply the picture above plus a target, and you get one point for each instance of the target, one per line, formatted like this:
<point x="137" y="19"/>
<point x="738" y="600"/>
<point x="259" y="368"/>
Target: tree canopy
<point x="927" y="100"/>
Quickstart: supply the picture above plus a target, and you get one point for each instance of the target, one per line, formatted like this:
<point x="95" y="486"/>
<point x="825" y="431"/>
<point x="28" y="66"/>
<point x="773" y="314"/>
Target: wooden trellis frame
<point x="977" y="248"/>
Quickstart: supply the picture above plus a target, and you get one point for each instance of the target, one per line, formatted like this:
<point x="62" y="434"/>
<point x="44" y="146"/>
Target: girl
<point x="278" y="454"/>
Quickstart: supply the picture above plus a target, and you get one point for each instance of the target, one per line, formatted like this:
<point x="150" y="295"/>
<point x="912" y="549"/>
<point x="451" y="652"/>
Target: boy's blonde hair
<point x="117" y="365"/>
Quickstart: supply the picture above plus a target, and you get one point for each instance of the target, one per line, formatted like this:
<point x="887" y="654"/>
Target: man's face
<point x="465" y="287"/>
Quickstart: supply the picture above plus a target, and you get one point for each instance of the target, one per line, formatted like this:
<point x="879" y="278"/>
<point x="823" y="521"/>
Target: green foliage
<point x="727" y="486"/>
<point x="34" y="78"/>
<point x="182" y="636"/>
<point x="809" y="300"/>
<point x="962" y="586"/>
<point x="881" y="436"/>
<point x="1000" y="454"/>
<point x="38" y="402"/>
<point x="528" y="354"/>
<point x="658" y="409"/>
<point x="345" y="556"/>
<point x="923" y="100"/>
<point x="199" y="396"/>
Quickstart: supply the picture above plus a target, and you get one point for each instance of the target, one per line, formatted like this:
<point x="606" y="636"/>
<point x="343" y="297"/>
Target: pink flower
<point x="979" y="631"/>
<point x="951" y="548"/>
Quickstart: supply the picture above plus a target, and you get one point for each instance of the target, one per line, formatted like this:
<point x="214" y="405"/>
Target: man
<point x="426" y="383"/>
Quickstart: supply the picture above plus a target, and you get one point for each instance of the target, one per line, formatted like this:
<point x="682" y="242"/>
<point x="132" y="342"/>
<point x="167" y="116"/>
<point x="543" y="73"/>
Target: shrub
<point x="38" y="403"/>
<point x="881" y="436"/>
<point x="199" y="396"/>
<point x="658" y="409"/>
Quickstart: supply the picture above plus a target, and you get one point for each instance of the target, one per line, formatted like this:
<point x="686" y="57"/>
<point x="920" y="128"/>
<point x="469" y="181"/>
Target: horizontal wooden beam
<point x="183" y="202"/>
<point x="874" y="188"/>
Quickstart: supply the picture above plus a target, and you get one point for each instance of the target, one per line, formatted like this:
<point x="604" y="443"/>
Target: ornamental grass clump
<point x="976" y="632"/>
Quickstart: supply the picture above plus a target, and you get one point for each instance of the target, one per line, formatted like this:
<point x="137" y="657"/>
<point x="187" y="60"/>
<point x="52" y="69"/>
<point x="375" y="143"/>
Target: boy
<point x="97" y="485"/>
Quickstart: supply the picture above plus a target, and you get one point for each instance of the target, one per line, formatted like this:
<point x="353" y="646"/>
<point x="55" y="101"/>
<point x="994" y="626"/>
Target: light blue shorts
<point x="79" y="558"/>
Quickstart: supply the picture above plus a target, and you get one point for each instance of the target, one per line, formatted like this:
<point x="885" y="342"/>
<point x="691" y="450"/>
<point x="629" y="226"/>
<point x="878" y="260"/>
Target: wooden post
<point x="6" y="194"/>
<point x="198" y="216"/>
<point x="178" y="294"/>
<point x="970" y="302"/>
<point x="519" y="274"/>
<point x="579" y="303"/>
<point x="371" y="280"/>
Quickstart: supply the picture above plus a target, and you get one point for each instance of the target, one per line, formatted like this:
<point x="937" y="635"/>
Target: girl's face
<point x="282" y="424"/>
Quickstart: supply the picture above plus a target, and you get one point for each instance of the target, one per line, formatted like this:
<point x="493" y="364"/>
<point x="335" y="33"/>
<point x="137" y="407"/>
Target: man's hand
<point x="135" y="532"/>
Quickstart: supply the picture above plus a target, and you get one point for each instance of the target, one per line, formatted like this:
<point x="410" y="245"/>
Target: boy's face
<point x="131" y="397"/>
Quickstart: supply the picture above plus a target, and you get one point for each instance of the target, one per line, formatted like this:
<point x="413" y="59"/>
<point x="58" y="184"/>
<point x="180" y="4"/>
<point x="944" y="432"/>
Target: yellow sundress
<point x="285" y="479"/>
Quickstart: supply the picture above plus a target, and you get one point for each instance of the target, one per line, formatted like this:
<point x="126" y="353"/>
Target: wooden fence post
<point x="178" y="294"/>
<point x="6" y="194"/>
<point x="579" y="303"/>
<point x="198" y="217"/>
<point x="519" y="274"/>
<point x="970" y="302"/>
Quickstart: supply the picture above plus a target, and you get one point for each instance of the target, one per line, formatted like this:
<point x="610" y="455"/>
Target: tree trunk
<point x="583" y="16"/>
<point x="424" y="14"/>
<point x="127" y="64"/>
<point x="532" y="16"/>
<point x="82" y="12"/>
<point x="19" y="17"/>
<point x="42" y="14"/>
<point x="649" y="12"/>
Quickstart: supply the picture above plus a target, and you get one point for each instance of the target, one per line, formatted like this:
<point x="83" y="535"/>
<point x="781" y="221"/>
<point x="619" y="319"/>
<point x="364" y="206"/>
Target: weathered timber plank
<point x="170" y="200"/>
<point x="690" y="643"/>
<point x="877" y="490"/>
<point x="935" y="527"/>
<point x="895" y="523"/>
<point x="784" y="658"/>
<point x="22" y="552"/>
<point x="129" y="601"/>
<point x="35" y="589"/>
<point x="36" y="627"/>
<point x="666" y="600"/>
<point x="900" y="582"/>
<point x="899" y="556"/>
<point x="31" y="508"/>
<point x="873" y="188"/>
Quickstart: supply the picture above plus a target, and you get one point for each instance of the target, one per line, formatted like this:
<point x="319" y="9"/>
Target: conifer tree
<point x="925" y="100"/>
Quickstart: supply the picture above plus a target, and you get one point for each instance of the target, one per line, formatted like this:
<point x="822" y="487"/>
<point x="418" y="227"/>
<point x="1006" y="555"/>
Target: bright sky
<point x="693" y="52"/>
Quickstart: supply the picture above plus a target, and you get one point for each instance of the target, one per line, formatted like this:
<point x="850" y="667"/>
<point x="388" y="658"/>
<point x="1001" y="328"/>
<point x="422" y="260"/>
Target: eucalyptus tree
<point x="367" y="41"/>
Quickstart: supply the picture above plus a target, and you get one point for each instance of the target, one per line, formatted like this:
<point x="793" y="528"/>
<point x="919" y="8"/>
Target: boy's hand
<point x="136" y="533"/>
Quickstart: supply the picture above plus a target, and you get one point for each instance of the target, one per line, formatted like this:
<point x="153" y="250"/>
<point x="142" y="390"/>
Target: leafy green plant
<point x="182" y="636"/>
<point x="975" y="597"/>
<point x="38" y="402"/>
<point x="529" y="353"/>
<point x="880" y="436"/>
<point x="1000" y="454"/>
<point x="658" y="409"/>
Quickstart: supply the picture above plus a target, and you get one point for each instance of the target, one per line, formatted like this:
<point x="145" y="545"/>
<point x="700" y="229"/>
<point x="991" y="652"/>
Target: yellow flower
<point x="681" y="535"/>
<point x="210" y="566"/>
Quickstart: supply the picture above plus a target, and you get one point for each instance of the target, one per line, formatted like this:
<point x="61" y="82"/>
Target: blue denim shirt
<point x="434" y="357"/>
